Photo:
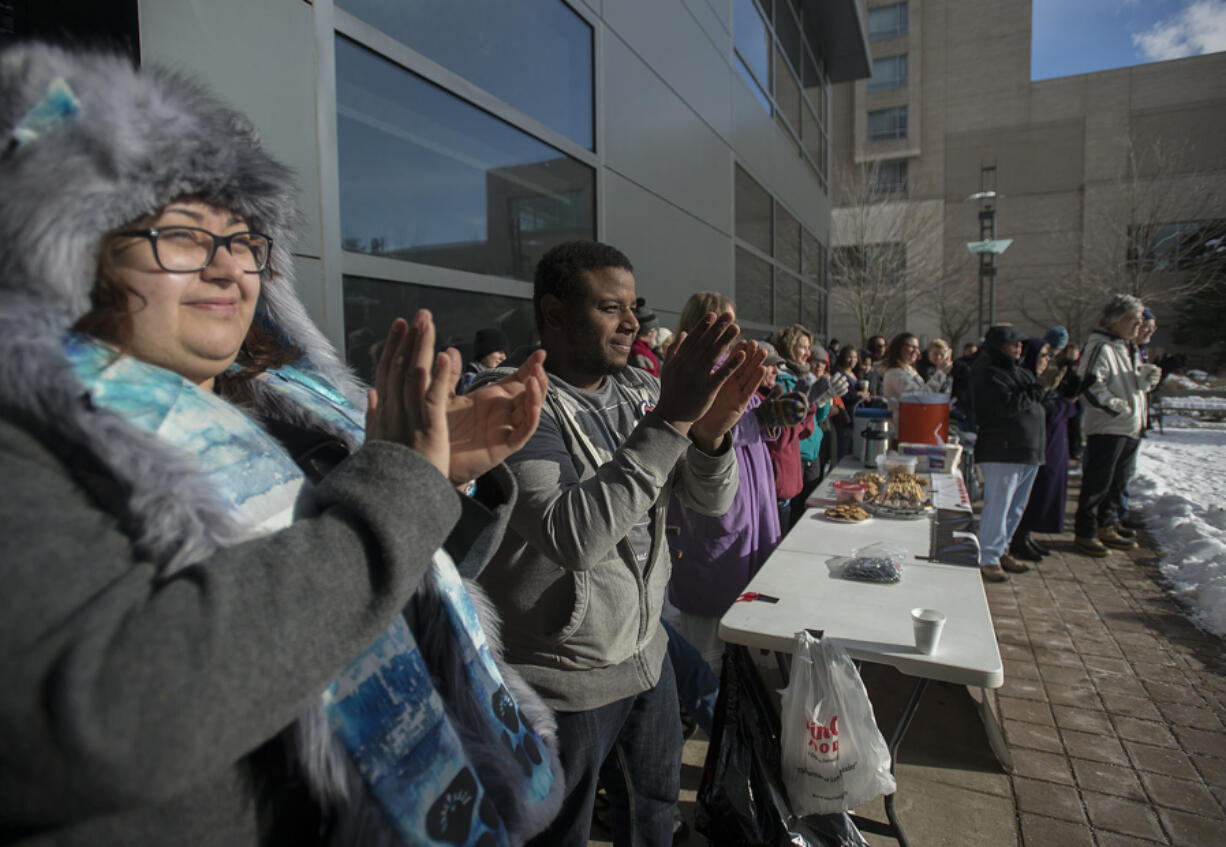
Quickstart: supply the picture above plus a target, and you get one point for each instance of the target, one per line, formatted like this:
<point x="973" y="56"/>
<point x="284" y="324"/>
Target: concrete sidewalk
<point x="1113" y="707"/>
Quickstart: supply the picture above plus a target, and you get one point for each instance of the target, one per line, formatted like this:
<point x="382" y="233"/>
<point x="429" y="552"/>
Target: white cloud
<point x="1199" y="27"/>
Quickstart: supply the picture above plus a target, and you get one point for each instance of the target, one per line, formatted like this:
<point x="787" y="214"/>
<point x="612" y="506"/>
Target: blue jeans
<point x="644" y="732"/>
<point x="1006" y="490"/>
<point x="697" y="685"/>
<point x="785" y="512"/>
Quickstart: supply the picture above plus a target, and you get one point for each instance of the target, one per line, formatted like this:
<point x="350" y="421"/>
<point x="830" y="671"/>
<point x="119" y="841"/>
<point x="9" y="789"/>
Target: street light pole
<point x="988" y="246"/>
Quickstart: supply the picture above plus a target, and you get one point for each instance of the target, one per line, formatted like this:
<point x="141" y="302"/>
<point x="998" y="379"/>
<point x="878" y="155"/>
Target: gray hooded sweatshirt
<point x="580" y="577"/>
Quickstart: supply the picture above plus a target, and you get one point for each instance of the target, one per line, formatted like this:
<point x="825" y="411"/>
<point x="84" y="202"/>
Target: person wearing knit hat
<point x="490" y="347"/>
<point x="489" y="351"/>
<point x="1057" y="339"/>
<point x="234" y="610"/>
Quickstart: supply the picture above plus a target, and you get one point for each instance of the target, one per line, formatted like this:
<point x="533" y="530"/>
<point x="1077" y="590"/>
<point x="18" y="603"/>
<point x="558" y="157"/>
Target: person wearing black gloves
<point x="1010" y="415"/>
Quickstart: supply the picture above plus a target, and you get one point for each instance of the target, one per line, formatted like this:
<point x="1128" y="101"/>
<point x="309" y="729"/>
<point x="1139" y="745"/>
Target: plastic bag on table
<point x="834" y="756"/>
<point x="876" y="563"/>
<point x="741" y="799"/>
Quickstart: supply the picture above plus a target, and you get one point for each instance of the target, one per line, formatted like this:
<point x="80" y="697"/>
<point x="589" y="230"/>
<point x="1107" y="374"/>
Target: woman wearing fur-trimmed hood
<point x="235" y="609"/>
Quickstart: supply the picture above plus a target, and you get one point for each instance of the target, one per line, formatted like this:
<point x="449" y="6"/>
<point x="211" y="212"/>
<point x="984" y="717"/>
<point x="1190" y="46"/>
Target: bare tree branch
<point x="1149" y="233"/>
<point x="886" y="257"/>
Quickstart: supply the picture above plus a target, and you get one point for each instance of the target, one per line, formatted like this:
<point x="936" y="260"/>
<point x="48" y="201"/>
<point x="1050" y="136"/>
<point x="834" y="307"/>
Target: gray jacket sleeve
<point x="577" y="522"/>
<point x="128" y="687"/>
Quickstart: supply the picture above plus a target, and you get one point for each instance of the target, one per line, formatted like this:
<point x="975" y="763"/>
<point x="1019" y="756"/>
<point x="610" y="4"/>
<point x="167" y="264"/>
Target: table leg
<point x="894" y="828"/>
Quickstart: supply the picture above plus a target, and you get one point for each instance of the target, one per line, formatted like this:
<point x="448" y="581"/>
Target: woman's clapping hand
<point x="491" y="423"/>
<point x="409" y="402"/>
<point x="414" y="404"/>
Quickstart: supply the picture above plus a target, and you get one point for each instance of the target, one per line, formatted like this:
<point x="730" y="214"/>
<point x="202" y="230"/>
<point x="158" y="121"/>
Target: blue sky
<point x="1078" y="36"/>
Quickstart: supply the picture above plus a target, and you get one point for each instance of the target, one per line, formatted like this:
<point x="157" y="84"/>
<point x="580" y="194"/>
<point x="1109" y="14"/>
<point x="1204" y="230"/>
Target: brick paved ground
<point x="1114" y="709"/>
<point x="1114" y="706"/>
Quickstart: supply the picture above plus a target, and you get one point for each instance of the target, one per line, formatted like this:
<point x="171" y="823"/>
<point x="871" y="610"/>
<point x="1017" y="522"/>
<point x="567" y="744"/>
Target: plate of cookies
<point x="846" y="513"/>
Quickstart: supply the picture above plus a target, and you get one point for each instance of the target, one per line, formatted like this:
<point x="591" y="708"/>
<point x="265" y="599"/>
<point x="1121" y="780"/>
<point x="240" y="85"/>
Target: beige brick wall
<point x="1064" y="148"/>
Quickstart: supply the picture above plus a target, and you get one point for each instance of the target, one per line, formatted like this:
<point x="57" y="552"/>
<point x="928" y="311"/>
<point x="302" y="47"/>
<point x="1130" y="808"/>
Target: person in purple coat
<point x="714" y="558"/>
<point x="1045" y="509"/>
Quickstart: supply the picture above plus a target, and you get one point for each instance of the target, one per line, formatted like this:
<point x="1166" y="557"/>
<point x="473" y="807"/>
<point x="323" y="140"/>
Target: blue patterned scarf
<point x="383" y="707"/>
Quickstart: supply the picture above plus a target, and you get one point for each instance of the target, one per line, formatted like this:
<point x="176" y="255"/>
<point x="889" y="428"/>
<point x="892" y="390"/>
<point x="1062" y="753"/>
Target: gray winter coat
<point x="163" y="674"/>
<point x="136" y="705"/>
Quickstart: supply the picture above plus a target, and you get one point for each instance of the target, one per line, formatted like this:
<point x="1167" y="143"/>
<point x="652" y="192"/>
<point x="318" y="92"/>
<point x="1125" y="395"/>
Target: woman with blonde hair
<point x="808" y="372"/>
<point x="939" y="354"/>
<point x="699" y="304"/>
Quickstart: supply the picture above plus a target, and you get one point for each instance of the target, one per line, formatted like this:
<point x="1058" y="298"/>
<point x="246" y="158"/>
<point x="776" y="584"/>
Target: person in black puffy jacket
<point x="1010" y="417"/>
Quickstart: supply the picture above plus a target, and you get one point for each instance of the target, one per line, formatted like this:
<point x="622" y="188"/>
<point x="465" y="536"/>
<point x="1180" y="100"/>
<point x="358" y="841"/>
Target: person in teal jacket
<point x="806" y="372"/>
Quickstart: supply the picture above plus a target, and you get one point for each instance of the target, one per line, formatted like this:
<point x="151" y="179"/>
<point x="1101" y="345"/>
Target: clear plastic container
<point x="894" y="462"/>
<point x="846" y="491"/>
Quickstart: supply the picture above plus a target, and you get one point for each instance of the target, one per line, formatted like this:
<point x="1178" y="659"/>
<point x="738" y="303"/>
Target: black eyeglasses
<point x="184" y="249"/>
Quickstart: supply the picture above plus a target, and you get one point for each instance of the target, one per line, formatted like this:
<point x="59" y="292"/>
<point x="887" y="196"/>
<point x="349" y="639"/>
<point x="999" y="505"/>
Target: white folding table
<point x="800" y="587"/>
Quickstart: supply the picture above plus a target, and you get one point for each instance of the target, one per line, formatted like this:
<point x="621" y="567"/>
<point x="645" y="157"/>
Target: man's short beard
<point x="595" y="365"/>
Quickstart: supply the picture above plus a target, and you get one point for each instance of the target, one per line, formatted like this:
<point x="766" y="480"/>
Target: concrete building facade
<point x="444" y="145"/>
<point x="1099" y="175"/>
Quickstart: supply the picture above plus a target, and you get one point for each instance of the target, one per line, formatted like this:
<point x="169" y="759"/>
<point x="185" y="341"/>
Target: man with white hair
<point x="1115" y="383"/>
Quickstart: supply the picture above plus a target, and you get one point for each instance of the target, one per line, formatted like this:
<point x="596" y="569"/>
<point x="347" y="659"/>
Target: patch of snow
<point x="1178" y="487"/>
<point x="1180" y="381"/>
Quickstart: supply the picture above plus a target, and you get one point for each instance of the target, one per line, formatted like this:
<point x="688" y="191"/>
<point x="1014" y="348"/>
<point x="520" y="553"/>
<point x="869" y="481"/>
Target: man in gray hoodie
<point x="580" y="578"/>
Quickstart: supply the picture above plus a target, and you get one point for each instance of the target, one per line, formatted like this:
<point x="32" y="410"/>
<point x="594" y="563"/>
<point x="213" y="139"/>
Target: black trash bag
<point x="741" y="799"/>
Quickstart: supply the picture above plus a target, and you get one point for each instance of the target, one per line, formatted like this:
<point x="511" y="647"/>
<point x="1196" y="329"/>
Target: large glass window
<point x="887" y="124"/>
<point x="889" y="72"/>
<point x="752" y="203"/>
<point x="371" y="305"/>
<point x="780" y="265"/>
<point x="753" y="287"/>
<point x="427" y="177"/>
<point x="753" y="41"/>
<point x="787" y="239"/>
<point x="76" y="24"/>
<point x="535" y="55"/>
<point x="890" y="177"/>
<point x="776" y="59"/>
<point x="887" y="22"/>
<point x="1180" y="245"/>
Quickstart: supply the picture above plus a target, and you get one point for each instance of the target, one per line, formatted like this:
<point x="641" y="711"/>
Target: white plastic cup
<point x="928" y="624"/>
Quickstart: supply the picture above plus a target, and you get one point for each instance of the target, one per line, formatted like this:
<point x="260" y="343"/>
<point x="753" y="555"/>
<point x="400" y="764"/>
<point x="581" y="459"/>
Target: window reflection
<point x="779" y="286"/>
<point x="753" y="40"/>
<point x="787" y="297"/>
<point x="787" y="238"/>
<point x="371" y="305"/>
<point x="753" y="211"/>
<point x="427" y="177"/>
<point x="535" y="55"/>
<point x="753" y="287"/>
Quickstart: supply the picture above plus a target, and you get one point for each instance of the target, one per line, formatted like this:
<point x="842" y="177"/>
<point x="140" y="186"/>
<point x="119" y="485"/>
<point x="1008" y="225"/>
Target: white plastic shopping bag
<point x="834" y="757"/>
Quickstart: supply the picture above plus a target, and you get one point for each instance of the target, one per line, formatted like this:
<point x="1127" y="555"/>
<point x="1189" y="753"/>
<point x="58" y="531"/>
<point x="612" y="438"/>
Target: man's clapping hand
<point x="489" y="424"/>
<point x="734" y="395"/>
<point x="689" y="380"/>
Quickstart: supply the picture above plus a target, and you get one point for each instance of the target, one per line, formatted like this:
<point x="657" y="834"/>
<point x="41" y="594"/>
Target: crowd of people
<point x="252" y="601"/>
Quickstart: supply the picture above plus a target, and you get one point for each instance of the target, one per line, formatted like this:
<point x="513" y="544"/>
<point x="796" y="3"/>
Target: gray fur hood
<point x="120" y="144"/>
<point x="87" y="145"/>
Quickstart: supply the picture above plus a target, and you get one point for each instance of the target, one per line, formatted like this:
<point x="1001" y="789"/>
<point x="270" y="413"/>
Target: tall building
<point x="444" y="145"/>
<point x="1112" y="180"/>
